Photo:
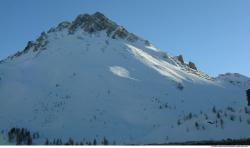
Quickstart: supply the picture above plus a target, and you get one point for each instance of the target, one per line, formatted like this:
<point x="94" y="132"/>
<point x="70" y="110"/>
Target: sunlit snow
<point x="120" y="71"/>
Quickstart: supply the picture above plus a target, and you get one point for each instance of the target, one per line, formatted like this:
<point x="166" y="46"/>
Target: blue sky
<point x="215" y="34"/>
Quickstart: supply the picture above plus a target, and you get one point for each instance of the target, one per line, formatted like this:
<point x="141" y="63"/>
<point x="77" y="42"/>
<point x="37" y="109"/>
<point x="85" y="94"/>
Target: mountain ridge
<point x="91" y="24"/>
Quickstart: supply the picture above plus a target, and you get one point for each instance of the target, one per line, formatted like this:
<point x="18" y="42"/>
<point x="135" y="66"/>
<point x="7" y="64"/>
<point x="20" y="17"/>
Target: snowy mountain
<point x="91" y="78"/>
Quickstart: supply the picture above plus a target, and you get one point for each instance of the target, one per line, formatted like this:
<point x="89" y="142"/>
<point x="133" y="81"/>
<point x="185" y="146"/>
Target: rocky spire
<point x="180" y="59"/>
<point x="192" y="65"/>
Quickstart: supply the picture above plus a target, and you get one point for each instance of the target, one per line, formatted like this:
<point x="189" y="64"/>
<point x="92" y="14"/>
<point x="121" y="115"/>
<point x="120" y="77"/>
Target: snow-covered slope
<point x="91" y="78"/>
<point x="234" y="79"/>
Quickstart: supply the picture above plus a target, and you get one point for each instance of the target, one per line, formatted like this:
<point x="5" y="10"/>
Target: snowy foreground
<point x="90" y="79"/>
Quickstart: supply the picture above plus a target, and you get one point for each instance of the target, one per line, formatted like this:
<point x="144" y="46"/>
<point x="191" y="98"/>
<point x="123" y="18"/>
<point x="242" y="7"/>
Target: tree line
<point x="21" y="136"/>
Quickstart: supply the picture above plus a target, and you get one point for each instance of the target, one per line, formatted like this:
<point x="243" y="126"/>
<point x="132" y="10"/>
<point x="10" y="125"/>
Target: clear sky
<point x="214" y="34"/>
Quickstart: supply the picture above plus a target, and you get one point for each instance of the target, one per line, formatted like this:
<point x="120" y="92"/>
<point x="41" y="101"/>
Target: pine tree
<point x="190" y="115"/>
<point x="214" y="109"/>
<point x="71" y="141"/>
<point x="178" y="122"/>
<point x="54" y="142"/>
<point x="248" y="97"/>
<point x="105" y="141"/>
<point x="94" y="142"/>
<point x="197" y="125"/>
<point x="57" y="142"/>
<point x="46" y="141"/>
<point x="218" y="115"/>
<point x="18" y="139"/>
<point x="232" y="117"/>
<point x="246" y="110"/>
<point x="60" y="142"/>
<point x="180" y="86"/>
<point x="29" y="140"/>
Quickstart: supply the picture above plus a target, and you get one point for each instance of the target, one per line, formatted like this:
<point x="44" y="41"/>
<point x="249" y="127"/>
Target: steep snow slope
<point x="91" y="78"/>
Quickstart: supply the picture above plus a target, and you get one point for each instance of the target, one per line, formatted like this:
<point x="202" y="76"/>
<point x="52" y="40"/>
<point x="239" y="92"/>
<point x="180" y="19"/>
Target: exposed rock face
<point x="147" y="43"/>
<point x="93" y="23"/>
<point x="192" y="65"/>
<point x="121" y="33"/>
<point x="180" y="59"/>
<point x="248" y="97"/>
<point x="30" y="44"/>
<point x="60" y="27"/>
<point x="40" y="43"/>
<point x="99" y="22"/>
<point x="42" y="40"/>
<point x="133" y="38"/>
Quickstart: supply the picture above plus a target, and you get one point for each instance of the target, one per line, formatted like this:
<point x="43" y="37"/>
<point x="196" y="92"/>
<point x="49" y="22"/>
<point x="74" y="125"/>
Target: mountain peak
<point x="99" y="22"/>
<point x="95" y="23"/>
<point x="99" y="15"/>
<point x="87" y="23"/>
<point x="92" y="23"/>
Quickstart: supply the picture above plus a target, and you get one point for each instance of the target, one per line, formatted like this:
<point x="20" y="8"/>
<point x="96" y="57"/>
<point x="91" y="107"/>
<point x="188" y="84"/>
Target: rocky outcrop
<point x="30" y="44"/>
<point x="40" y="43"/>
<point x="180" y="59"/>
<point x="121" y="33"/>
<point x="60" y="27"/>
<point x="92" y="23"/>
<point x="132" y="37"/>
<point x="192" y="66"/>
<point x="99" y="22"/>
